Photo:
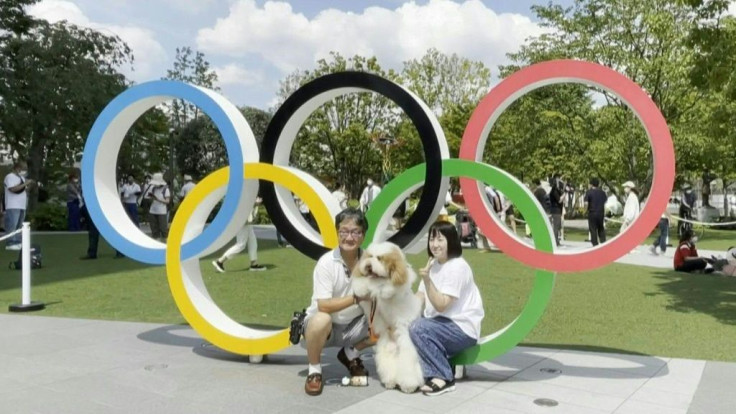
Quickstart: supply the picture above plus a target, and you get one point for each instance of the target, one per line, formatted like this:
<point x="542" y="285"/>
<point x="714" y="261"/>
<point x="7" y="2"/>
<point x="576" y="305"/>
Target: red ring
<point x="564" y="71"/>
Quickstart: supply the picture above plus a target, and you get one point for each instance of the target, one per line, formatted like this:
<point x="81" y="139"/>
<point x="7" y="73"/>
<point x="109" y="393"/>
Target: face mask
<point x="23" y="173"/>
<point x="694" y="239"/>
<point x="76" y="180"/>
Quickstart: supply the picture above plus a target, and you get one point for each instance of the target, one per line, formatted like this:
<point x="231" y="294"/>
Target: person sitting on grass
<point x="686" y="255"/>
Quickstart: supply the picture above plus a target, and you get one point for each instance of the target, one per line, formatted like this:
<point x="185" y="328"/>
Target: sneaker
<point x="218" y="266"/>
<point x="437" y="390"/>
<point x="257" y="268"/>
<point x="13" y="247"/>
<point x="313" y="386"/>
<point x="355" y="367"/>
<point x="653" y="249"/>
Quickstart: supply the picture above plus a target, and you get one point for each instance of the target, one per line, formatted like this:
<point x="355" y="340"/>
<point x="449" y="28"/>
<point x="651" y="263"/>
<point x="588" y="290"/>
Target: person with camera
<point x="160" y="195"/>
<point x="334" y="318"/>
<point x="129" y="193"/>
<point x="688" y="200"/>
<point x="16" y="200"/>
<point x="556" y="205"/>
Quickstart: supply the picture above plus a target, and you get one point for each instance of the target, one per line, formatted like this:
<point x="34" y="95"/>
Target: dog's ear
<point x="397" y="268"/>
<point x="357" y="269"/>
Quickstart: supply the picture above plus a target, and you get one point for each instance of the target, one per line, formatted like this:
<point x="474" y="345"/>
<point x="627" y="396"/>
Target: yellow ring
<point x="264" y="342"/>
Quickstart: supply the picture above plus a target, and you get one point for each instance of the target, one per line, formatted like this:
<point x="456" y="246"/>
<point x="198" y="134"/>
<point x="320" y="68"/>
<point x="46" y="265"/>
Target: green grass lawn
<point x="619" y="308"/>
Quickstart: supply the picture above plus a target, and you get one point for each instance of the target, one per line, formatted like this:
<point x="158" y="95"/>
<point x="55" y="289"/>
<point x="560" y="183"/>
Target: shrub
<point x="48" y="216"/>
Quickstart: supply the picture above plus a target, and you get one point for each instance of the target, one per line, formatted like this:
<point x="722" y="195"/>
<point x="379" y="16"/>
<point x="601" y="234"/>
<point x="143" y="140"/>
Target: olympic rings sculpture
<point x="190" y="238"/>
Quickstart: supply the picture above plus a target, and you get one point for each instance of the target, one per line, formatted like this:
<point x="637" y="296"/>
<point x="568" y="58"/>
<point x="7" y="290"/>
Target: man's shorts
<point x="345" y="334"/>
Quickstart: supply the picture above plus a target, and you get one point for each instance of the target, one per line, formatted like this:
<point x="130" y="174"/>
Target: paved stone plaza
<point x="59" y="365"/>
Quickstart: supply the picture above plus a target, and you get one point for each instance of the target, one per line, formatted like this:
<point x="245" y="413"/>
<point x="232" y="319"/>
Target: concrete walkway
<point x="59" y="365"/>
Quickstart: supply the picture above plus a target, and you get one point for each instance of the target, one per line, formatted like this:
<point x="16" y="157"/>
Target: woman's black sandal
<point x="437" y="390"/>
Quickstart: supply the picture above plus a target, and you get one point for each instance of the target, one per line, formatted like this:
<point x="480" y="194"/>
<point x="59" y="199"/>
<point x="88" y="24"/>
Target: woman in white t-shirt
<point x="453" y="309"/>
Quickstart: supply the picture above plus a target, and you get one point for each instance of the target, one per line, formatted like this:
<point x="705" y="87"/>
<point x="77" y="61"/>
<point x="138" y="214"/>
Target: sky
<point x="253" y="44"/>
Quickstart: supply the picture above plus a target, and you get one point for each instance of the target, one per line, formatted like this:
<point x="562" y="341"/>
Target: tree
<point x="54" y="81"/>
<point x="444" y="82"/>
<point x="714" y="73"/>
<point x="194" y="70"/>
<point x="645" y="40"/>
<point x="200" y="148"/>
<point x="338" y="140"/>
<point x="14" y="21"/>
<point x="451" y="86"/>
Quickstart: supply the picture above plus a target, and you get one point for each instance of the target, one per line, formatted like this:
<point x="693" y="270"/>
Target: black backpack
<point x="35" y="259"/>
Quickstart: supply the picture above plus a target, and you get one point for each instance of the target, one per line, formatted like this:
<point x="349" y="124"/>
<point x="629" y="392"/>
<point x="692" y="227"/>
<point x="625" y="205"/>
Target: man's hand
<point x="357" y="299"/>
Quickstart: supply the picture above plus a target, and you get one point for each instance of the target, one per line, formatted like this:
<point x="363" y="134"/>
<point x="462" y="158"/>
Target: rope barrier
<point x="730" y="223"/>
<point x="9" y="235"/>
<point x="675" y="217"/>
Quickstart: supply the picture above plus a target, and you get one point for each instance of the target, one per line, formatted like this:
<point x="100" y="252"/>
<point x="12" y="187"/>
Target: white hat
<point x="187" y="177"/>
<point x="158" y="179"/>
<point x="629" y="184"/>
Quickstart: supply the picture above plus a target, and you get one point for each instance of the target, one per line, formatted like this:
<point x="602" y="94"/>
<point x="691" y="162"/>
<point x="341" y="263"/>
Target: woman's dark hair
<point x="351" y="213"/>
<point x="687" y="234"/>
<point x="447" y="229"/>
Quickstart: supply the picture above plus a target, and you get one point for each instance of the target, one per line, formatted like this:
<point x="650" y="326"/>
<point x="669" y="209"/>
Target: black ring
<point x="413" y="109"/>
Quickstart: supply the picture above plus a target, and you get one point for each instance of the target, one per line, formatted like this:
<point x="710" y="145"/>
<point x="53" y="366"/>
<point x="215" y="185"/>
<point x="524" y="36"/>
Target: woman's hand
<point x="424" y="272"/>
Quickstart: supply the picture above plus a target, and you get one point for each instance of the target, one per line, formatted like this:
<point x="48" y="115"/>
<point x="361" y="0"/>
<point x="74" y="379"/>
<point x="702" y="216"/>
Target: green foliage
<point x="145" y="147"/>
<point x="54" y="81"/>
<point x="342" y="139"/>
<point x="199" y="146"/>
<point x="48" y="217"/>
<point x="194" y="70"/>
<point x="337" y="140"/>
<point x="650" y="42"/>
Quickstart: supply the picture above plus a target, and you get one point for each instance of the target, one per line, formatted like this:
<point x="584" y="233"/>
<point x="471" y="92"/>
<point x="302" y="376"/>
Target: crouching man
<point x="333" y="318"/>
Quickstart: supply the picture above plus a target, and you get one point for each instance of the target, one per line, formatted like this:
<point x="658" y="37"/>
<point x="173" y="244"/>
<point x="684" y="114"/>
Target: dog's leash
<point x="371" y="330"/>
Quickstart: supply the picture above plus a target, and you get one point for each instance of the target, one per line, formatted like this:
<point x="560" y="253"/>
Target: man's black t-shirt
<point x="555" y="201"/>
<point x="541" y="196"/>
<point x="596" y="199"/>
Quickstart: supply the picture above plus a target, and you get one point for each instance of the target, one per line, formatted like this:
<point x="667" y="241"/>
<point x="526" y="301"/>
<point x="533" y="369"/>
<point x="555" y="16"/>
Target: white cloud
<point x="148" y="53"/>
<point x="290" y="40"/>
<point x="234" y="74"/>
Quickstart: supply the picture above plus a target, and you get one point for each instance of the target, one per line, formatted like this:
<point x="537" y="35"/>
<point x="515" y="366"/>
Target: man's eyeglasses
<point x="354" y="233"/>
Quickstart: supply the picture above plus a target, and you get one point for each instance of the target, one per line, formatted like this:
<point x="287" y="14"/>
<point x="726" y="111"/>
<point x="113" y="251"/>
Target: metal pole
<point x="26" y="262"/>
<point x="26" y="304"/>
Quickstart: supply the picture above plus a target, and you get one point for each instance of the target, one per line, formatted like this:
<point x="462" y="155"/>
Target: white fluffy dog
<point x="384" y="275"/>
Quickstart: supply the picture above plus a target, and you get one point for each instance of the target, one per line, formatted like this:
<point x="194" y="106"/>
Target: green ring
<point x="503" y="340"/>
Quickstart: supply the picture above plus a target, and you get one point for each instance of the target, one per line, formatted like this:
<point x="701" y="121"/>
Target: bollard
<point x="26" y="305"/>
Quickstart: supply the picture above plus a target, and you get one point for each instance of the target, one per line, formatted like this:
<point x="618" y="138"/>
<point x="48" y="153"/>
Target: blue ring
<point x="223" y="123"/>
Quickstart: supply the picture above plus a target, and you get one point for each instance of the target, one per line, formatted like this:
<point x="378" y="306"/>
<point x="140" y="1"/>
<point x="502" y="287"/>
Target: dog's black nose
<point x="368" y="268"/>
